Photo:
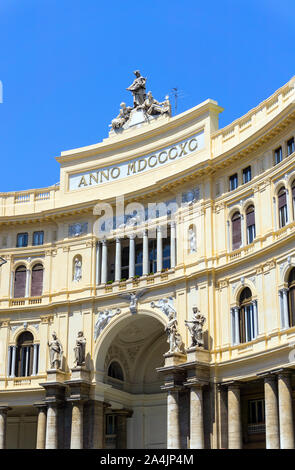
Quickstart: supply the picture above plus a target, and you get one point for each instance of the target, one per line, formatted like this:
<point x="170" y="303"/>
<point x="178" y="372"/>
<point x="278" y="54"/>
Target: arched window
<point x="37" y="280"/>
<point x="236" y="231"/>
<point x="250" y="220"/>
<point x="24" y="354"/>
<point x="115" y="371"/>
<point x="20" y="276"/>
<point x="291" y="285"/>
<point x="247" y="316"/>
<point x="282" y="205"/>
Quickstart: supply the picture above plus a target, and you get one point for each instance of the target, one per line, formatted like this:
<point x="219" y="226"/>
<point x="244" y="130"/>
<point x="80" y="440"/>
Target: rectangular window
<point x="125" y="263"/>
<point x="278" y="155"/>
<point x="22" y="239"/>
<point x="290" y="146"/>
<point x="138" y="259"/>
<point x="256" y="416"/>
<point x="246" y="174"/>
<point x="38" y="238"/>
<point x="166" y="253"/>
<point x="233" y="182"/>
<point x="152" y="256"/>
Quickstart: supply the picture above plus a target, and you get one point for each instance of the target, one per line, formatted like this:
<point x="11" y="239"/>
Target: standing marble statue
<point x="195" y="327"/>
<point x="55" y="352"/>
<point x="192" y="240"/>
<point x="78" y="270"/>
<point x="137" y="89"/>
<point x="174" y="338"/>
<point x="79" y="349"/>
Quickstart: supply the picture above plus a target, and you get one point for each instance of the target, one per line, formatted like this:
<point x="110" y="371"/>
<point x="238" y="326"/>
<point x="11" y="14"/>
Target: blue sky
<point x="65" y="66"/>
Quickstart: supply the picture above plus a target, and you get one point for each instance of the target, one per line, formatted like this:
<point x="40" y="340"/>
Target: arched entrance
<point x="129" y="351"/>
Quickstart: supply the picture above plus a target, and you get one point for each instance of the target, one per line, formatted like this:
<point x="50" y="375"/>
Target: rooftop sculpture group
<point x="142" y="101"/>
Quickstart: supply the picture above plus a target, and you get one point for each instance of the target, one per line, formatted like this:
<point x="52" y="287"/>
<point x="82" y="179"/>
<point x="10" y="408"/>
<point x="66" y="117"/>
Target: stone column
<point x="28" y="277"/>
<point x="173" y="244"/>
<point x="228" y="236"/>
<point x="131" y="256"/>
<point x="145" y="254"/>
<point x="104" y="262"/>
<point x="118" y="260"/>
<point x="234" y="417"/>
<point x="237" y="325"/>
<point x="122" y="428"/>
<point x="285" y="411"/>
<point x="275" y="213"/>
<point x="13" y="361"/>
<point x="255" y="315"/>
<point x="41" y="425"/>
<point x="35" y="357"/>
<point x="77" y="425"/>
<point x="3" y="425"/>
<point x="159" y="250"/>
<point x="196" y="417"/>
<point x="289" y="206"/>
<point x="51" y="427"/>
<point x="285" y="307"/>
<point x="98" y="263"/>
<point x="173" y="428"/>
<point x="242" y="231"/>
<point x="271" y="413"/>
<point x="97" y="433"/>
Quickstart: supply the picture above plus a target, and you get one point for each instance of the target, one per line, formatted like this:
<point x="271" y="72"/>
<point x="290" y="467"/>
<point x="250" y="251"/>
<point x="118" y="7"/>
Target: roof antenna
<point x="175" y="94"/>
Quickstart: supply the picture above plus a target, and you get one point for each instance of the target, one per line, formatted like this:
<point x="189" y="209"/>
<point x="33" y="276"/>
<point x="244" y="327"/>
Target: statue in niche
<point x="78" y="269"/>
<point x="192" y="240"/>
<point x="153" y="107"/>
<point x="55" y="352"/>
<point x="122" y="117"/>
<point x="104" y="317"/>
<point x="195" y="327"/>
<point x="79" y="349"/>
<point x="137" y="89"/>
<point x="174" y="338"/>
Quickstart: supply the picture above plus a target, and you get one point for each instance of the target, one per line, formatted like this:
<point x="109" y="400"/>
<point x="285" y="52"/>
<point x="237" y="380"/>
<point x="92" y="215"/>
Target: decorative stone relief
<point x="195" y="327"/>
<point x="165" y="305"/>
<point x="133" y="298"/>
<point x="75" y="230"/>
<point x="104" y="317"/>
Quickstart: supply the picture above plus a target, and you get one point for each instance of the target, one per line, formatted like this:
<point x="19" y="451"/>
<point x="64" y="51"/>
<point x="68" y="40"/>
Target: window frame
<point x="26" y="236"/>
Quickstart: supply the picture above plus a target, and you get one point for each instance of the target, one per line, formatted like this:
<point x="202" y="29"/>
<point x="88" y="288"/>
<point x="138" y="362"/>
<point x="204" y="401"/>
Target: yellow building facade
<point x="165" y="218"/>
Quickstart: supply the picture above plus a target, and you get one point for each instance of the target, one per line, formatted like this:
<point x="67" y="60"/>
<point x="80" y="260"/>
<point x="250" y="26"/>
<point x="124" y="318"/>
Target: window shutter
<point x="250" y="216"/>
<point x="236" y="232"/>
<point x="20" y="282"/>
<point x="282" y="198"/>
<point x="37" y="281"/>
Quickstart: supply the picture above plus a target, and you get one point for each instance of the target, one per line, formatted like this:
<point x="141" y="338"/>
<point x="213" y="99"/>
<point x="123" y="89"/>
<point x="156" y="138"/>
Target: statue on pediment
<point x="122" y="117"/>
<point x="153" y="107"/>
<point x="55" y="352"/>
<point x="195" y="327"/>
<point x="137" y="89"/>
<point x="79" y="349"/>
